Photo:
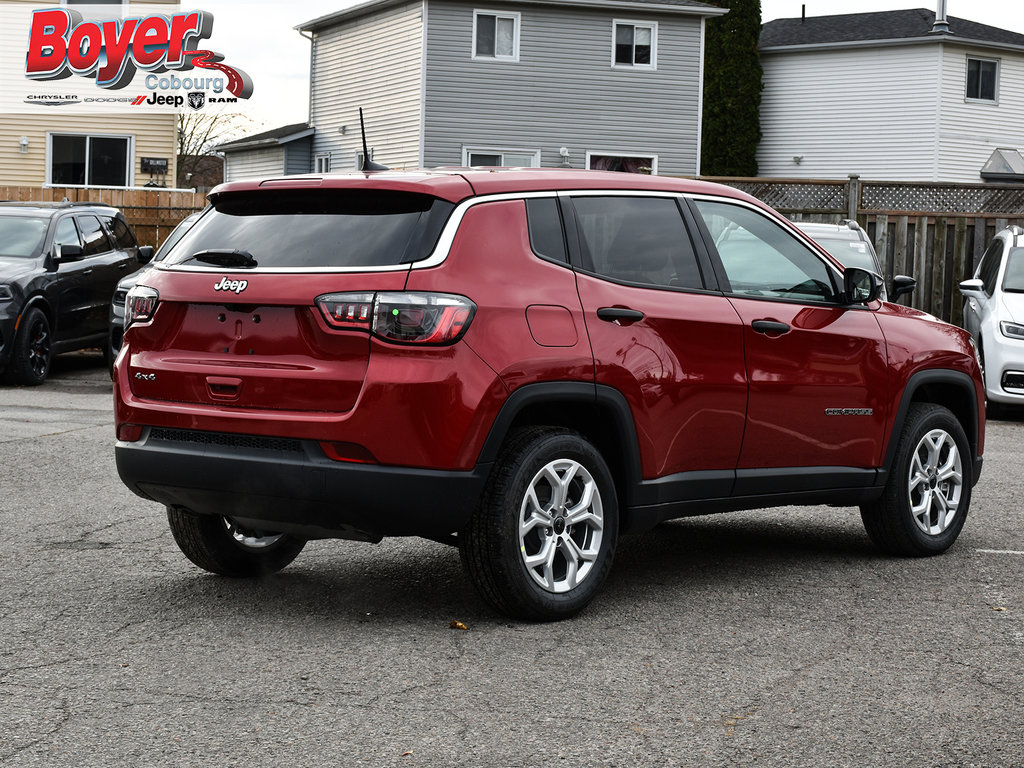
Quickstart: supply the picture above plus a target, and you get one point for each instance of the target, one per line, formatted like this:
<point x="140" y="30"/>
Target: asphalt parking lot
<point x="770" y="638"/>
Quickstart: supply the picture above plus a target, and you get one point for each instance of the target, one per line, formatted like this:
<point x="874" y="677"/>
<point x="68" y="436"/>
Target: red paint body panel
<point x="832" y="358"/>
<point x="917" y="342"/>
<point x="680" y="369"/>
<point x="492" y="264"/>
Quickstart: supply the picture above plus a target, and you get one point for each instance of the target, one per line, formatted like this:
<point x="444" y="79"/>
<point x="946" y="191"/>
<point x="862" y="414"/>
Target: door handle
<point x="770" y="326"/>
<point x="620" y="315"/>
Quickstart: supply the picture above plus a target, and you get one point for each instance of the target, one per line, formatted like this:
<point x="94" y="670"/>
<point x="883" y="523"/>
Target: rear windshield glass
<point x="21" y="236"/>
<point x="319" y="229"/>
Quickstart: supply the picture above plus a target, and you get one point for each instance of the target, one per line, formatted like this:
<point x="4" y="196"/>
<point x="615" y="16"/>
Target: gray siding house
<point x="280" y="152"/>
<point x="609" y="84"/>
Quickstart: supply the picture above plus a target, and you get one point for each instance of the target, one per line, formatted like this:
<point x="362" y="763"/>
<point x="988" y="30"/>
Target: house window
<point x="488" y="156"/>
<point x="635" y="44"/>
<point x="982" y="79"/>
<point x="616" y="161"/>
<point x="495" y="36"/>
<point x="322" y="162"/>
<point x="91" y="161"/>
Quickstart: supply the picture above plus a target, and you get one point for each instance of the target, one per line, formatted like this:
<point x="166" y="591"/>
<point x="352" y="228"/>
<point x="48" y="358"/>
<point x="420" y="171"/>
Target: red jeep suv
<point x="526" y="364"/>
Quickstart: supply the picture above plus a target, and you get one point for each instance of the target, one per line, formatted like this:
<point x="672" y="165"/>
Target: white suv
<point x="994" y="315"/>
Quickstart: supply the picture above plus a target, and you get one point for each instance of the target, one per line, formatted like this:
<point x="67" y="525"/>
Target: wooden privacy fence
<point x="935" y="233"/>
<point x="153" y="213"/>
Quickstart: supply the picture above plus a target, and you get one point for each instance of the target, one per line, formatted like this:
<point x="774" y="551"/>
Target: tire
<point x="218" y="545"/>
<point x="926" y="498"/>
<point x="541" y="542"/>
<point x="33" y="350"/>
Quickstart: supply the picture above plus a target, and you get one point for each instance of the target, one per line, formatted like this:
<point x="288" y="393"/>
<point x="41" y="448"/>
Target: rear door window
<point x="640" y="240"/>
<point x="121" y="232"/>
<point x="94" y="239"/>
<point x="331" y="229"/>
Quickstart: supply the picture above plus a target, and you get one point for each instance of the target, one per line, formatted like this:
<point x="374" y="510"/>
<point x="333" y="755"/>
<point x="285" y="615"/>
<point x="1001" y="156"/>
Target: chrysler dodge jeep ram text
<point x="527" y="364"/>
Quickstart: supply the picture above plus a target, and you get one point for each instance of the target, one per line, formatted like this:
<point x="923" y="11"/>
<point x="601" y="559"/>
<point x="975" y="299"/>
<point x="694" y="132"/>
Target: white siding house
<point x="888" y="95"/>
<point x="571" y="83"/>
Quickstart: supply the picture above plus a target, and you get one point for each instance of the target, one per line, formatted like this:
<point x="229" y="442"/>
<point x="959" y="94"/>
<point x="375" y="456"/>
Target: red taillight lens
<point x="140" y="304"/>
<point x="398" y="316"/>
<point x="347" y="310"/>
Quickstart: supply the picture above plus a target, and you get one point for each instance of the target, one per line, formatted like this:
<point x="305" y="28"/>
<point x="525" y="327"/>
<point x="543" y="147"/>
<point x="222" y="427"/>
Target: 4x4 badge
<point x="231" y="285"/>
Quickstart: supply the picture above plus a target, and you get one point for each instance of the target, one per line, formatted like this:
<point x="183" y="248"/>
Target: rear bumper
<point x="292" y="487"/>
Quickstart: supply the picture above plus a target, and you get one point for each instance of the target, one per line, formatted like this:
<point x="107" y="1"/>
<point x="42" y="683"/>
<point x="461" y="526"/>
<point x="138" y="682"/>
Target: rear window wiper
<point x="224" y="257"/>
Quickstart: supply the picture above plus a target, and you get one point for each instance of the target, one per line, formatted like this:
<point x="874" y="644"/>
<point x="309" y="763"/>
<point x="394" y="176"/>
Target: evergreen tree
<point x="732" y="90"/>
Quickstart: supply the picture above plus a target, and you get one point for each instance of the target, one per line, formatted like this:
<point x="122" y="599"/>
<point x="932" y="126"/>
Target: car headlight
<point x="1012" y="330"/>
<point x="6" y="294"/>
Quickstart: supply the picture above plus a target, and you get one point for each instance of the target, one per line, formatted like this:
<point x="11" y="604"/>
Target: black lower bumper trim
<point x="301" y="492"/>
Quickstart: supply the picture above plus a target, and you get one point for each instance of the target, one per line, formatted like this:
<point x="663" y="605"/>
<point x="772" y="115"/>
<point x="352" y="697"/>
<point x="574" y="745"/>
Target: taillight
<point x="140" y="304"/>
<point x="402" y="317"/>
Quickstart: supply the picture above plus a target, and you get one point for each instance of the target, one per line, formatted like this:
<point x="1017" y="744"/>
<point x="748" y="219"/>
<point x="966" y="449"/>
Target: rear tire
<point x="928" y="493"/>
<point x="33" y="350"/>
<point x="542" y="540"/>
<point x="219" y="545"/>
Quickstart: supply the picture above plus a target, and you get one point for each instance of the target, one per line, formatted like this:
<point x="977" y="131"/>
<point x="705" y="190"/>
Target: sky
<point x="259" y="37"/>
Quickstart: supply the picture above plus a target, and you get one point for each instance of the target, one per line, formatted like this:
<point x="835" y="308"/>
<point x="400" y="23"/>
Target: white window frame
<point x="321" y="159"/>
<point x="653" y="26"/>
<point x="130" y="164"/>
<point x="611" y="153"/>
<point x="967" y="66"/>
<point x="467" y="151"/>
<point x="516" y="19"/>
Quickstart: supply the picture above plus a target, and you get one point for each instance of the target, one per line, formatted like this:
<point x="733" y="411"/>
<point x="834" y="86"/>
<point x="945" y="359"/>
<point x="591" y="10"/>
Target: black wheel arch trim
<point x="947" y="377"/>
<point x="607" y="399"/>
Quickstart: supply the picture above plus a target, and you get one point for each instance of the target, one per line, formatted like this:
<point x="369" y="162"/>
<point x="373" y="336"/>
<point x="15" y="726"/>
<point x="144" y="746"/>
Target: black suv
<point x="59" y="263"/>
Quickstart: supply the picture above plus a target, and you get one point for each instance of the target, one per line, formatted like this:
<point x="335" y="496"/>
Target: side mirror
<point x="902" y="286"/>
<point x="973" y="287"/>
<point x="145" y="254"/>
<point x="68" y="252"/>
<point x="861" y="286"/>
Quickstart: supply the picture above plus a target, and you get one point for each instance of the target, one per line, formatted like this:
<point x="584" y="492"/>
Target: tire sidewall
<point x="926" y="421"/>
<point x="544" y="450"/>
<point x="21" y="369"/>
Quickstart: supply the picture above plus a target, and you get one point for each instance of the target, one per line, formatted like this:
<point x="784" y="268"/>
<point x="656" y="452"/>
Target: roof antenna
<point x="368" y="164"/>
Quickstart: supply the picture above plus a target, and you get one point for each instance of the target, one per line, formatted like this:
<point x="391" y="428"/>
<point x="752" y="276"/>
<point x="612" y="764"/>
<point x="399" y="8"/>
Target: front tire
<point x="33" y="350"/>
<point x="928" y="493"/>
<point x="542" y="540"/>
<point x="219" y="545"/>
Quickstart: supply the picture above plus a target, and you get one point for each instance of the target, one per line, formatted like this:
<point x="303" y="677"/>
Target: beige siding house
<point x="34" y="145"/>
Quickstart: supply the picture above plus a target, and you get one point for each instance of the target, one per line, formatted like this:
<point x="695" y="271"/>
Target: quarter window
<point x="92" y="161"/>
<point x="634" y="44"/>
<point x="761" y="258"/>
<point x="545" y="224"/>
<point x="636" y="240"/>
<point x="982" y="77"/>
<point x="495" y="35"/>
